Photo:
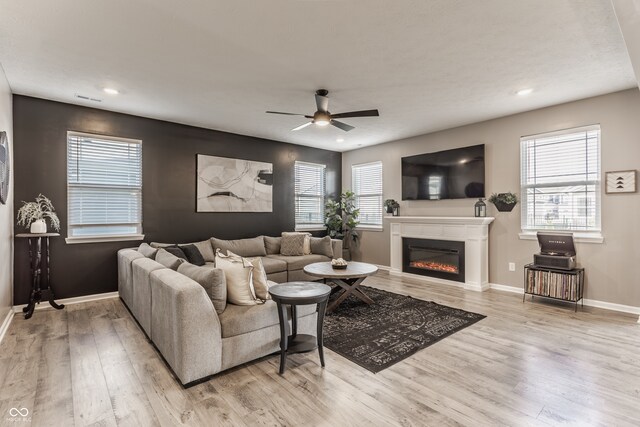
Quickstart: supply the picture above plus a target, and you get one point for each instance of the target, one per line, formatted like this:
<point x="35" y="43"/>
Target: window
<point x="560" y="179"/>
<point x="104" y="188"/>
<point x="367" y="185"/>
<point x="310" y="190"/>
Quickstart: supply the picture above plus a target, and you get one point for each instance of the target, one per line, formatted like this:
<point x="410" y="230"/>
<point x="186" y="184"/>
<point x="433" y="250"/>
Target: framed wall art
<point x="5" y="166"/>
<point x="233" y="185"/>
<point x="620" y="182"/>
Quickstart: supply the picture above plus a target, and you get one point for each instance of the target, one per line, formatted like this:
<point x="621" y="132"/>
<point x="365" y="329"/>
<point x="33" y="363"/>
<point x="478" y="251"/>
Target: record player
<point x="556" y="251"/>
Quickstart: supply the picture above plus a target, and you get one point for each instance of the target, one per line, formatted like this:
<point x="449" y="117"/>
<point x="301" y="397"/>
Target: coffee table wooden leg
<point x="284" y="335"/>
<point x="364" y="297"/>
<point x="347" y="290"/>
<point x="322" y="306"/>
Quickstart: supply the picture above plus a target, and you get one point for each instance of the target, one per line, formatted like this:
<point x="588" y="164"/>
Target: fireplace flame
<point x="435" y="266"/>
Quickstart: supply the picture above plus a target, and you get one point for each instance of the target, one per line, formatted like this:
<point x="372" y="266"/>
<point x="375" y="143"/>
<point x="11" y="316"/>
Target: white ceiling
<point x="426" y="65"/>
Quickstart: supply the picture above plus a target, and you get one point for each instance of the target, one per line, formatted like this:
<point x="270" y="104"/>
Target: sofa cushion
<point x="204" y="247"/>
<point x="177" y="251"/>
<point x="242" y="247"/>
<point x="193" y="254"/>
<point x="168" y="260"/>
<point x="211" y="279"/>
<point x="272" y="265"/>
<point x="239" y="319"/>
<point x="258" y="276"/>
<point x="147" y="250"/>
<point x="322" y="246"/>
<point x="292" y="244"/>
<point x="272" y="245"/>
<point x="299" y="262"/>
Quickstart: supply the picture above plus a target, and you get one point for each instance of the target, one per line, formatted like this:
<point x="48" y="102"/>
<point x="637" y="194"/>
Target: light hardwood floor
<point x="525" y="364"/>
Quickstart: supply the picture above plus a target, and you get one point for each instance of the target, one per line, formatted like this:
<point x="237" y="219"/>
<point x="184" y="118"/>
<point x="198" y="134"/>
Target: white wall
<point x="6" y="211"/>
<point x="611" y="267"/>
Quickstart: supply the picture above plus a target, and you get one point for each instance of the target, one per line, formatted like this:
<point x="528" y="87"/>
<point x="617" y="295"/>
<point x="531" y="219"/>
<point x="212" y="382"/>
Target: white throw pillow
<point x="238" y="273"/>
<point x="259" y="276"/>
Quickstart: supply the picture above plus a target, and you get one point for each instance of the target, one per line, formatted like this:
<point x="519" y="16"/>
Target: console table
<point x="39" y="251"/>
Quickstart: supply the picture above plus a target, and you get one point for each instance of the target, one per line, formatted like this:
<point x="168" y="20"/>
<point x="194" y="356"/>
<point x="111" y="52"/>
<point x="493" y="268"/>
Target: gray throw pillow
<point x="147" y="250"/>
<point x="322" y="246"/>
<point x="211" y="279"/>
<point x="168" y="260"/>
<point x="292" y="244"/>
<point x="242" y="247"/>
<point x="272" y="245"/>
<point x="204" y="247"/>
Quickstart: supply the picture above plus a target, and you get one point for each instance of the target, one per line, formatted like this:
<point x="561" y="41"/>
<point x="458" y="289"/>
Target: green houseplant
<point x="389" y="204"/>
<point x="341" y="219"/>
<point x="504" y="202"/>
<point x="33" y="215"/>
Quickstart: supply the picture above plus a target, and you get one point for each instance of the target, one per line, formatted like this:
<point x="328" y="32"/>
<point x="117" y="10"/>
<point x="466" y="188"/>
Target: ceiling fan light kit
<point x="322" y="117"/>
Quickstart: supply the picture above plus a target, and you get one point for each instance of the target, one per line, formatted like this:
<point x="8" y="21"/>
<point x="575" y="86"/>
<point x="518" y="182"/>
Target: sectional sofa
<point x="178" y="315"/>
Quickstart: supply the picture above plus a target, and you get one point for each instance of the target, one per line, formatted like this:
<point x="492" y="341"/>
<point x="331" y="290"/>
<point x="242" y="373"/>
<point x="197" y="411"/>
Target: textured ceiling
<point x="426" y="65"/>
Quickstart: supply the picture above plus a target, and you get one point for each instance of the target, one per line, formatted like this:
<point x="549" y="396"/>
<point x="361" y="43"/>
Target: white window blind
<point x="560" y="180"/>
<point x="367" y="186"/>
<point x="104" y="187"/>
<point x="309" y="195"/>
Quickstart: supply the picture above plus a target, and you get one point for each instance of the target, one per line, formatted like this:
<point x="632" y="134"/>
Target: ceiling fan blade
<point x="322" y="102"/>
<point x="345" y="127"/>
<point x="286" y="114"/>
<point x="363" y="113"/>
<point x="302" y="126"/>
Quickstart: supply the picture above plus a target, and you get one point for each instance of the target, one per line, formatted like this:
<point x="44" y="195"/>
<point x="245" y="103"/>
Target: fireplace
<point x="443" y="259"/>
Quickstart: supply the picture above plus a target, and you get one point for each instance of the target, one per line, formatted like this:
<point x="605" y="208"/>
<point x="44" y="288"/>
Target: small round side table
<point x="294" y="294"/>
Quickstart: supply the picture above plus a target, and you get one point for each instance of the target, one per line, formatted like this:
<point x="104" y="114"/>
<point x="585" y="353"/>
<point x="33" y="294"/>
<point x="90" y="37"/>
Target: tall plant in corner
<point x="33" y="214"/>
<point x="341" y="218"/>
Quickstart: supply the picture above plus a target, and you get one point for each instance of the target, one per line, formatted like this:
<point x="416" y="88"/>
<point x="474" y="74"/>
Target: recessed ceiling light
<point x="340" y="140"/>
<point x="110" y="91"/>
<point x="524" y="92"/>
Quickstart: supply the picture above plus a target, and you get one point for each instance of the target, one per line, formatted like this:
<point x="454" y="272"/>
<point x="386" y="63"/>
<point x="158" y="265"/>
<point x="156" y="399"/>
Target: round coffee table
<point x="294" y="294"/>
<point x="348" y="279"/>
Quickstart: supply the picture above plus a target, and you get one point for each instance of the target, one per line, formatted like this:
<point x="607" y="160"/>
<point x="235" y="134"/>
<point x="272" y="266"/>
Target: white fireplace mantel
<point x="474" y="232"/>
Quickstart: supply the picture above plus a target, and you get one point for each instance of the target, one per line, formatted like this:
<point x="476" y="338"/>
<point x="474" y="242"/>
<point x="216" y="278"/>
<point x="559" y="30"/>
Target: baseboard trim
<point x="5" y="324"/>
<point x="68" y="301"/>
<point x="588" y="302"/>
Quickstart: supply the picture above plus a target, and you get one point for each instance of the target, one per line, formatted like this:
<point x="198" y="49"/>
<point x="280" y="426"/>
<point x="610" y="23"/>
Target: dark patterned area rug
<point x="379" y="335"/>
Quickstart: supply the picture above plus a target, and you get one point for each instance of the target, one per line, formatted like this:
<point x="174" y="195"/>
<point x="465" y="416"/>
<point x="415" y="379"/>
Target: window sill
<point x="311" y="228"/>
<point x="102" y="239"/>
<point x="577" y="237"/>
<point x="369" y="228"/>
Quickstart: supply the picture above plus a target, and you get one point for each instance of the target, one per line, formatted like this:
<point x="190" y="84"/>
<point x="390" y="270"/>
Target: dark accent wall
<point x="169" y="186"/>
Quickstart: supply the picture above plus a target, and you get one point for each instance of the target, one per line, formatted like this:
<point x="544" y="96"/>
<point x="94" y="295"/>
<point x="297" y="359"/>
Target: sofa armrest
<point x="125" y="274"/>
<point x="185" y="326"/>
<point x="336" y="245"/>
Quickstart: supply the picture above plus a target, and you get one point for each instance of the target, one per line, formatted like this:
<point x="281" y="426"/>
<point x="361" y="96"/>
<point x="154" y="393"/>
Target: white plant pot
<point x="38" y="227"/>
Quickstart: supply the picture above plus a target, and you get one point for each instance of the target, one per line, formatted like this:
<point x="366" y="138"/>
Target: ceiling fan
<point x="323" y="117"/>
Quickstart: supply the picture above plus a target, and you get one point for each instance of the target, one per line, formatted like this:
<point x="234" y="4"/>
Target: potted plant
<point x="341" y="220"/>
<point x="504" y="202"/>
<point x="33" y="215"/>
<point x="390" y="205"/>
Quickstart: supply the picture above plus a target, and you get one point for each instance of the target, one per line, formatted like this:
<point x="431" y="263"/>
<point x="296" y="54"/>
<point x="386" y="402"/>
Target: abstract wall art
<point x="621" y="182"/>
<point x="233" y="185"/>
<point x="5" y="164"/>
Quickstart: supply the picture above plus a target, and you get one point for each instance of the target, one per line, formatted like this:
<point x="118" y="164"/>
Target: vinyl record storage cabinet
<point x="564" y="285"/>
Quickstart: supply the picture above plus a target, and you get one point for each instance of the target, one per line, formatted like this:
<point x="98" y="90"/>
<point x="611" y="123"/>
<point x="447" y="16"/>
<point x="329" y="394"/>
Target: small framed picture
<point x="620" y="182"/>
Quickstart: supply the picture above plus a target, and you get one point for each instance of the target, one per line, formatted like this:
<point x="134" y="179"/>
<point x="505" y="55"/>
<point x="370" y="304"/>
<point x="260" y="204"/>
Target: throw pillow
<point x="204" y="247"/>
<point x="272" y="245"/>
<point x="322" y="246"/>
<point x="193" y="254"/>
<point x="175" y="250"/>
<point x="211" y="279"/>
<point x="147" y="250"/>
<point x="238" y="273"/>
<point x="259" y="277"/>
<point x="168" y="260"/>
<point x="292" y="244"/>
<point x="307" y="241"/>
<point x="242" y="247"/>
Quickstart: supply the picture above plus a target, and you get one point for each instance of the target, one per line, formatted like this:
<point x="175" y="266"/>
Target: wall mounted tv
<point x="449" y="174"/>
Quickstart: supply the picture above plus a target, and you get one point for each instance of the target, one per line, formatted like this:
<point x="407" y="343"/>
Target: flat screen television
<point x="449" y="174"/>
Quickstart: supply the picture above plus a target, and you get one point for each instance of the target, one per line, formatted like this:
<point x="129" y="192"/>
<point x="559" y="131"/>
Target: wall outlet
<point x="512" y="266"/>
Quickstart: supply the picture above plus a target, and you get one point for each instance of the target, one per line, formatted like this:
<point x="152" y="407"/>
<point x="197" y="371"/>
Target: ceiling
<point x="426" y="65"/>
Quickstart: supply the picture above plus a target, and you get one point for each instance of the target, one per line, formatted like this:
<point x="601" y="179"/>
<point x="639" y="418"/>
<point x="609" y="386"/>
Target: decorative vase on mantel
<point x="38" y="226"/>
